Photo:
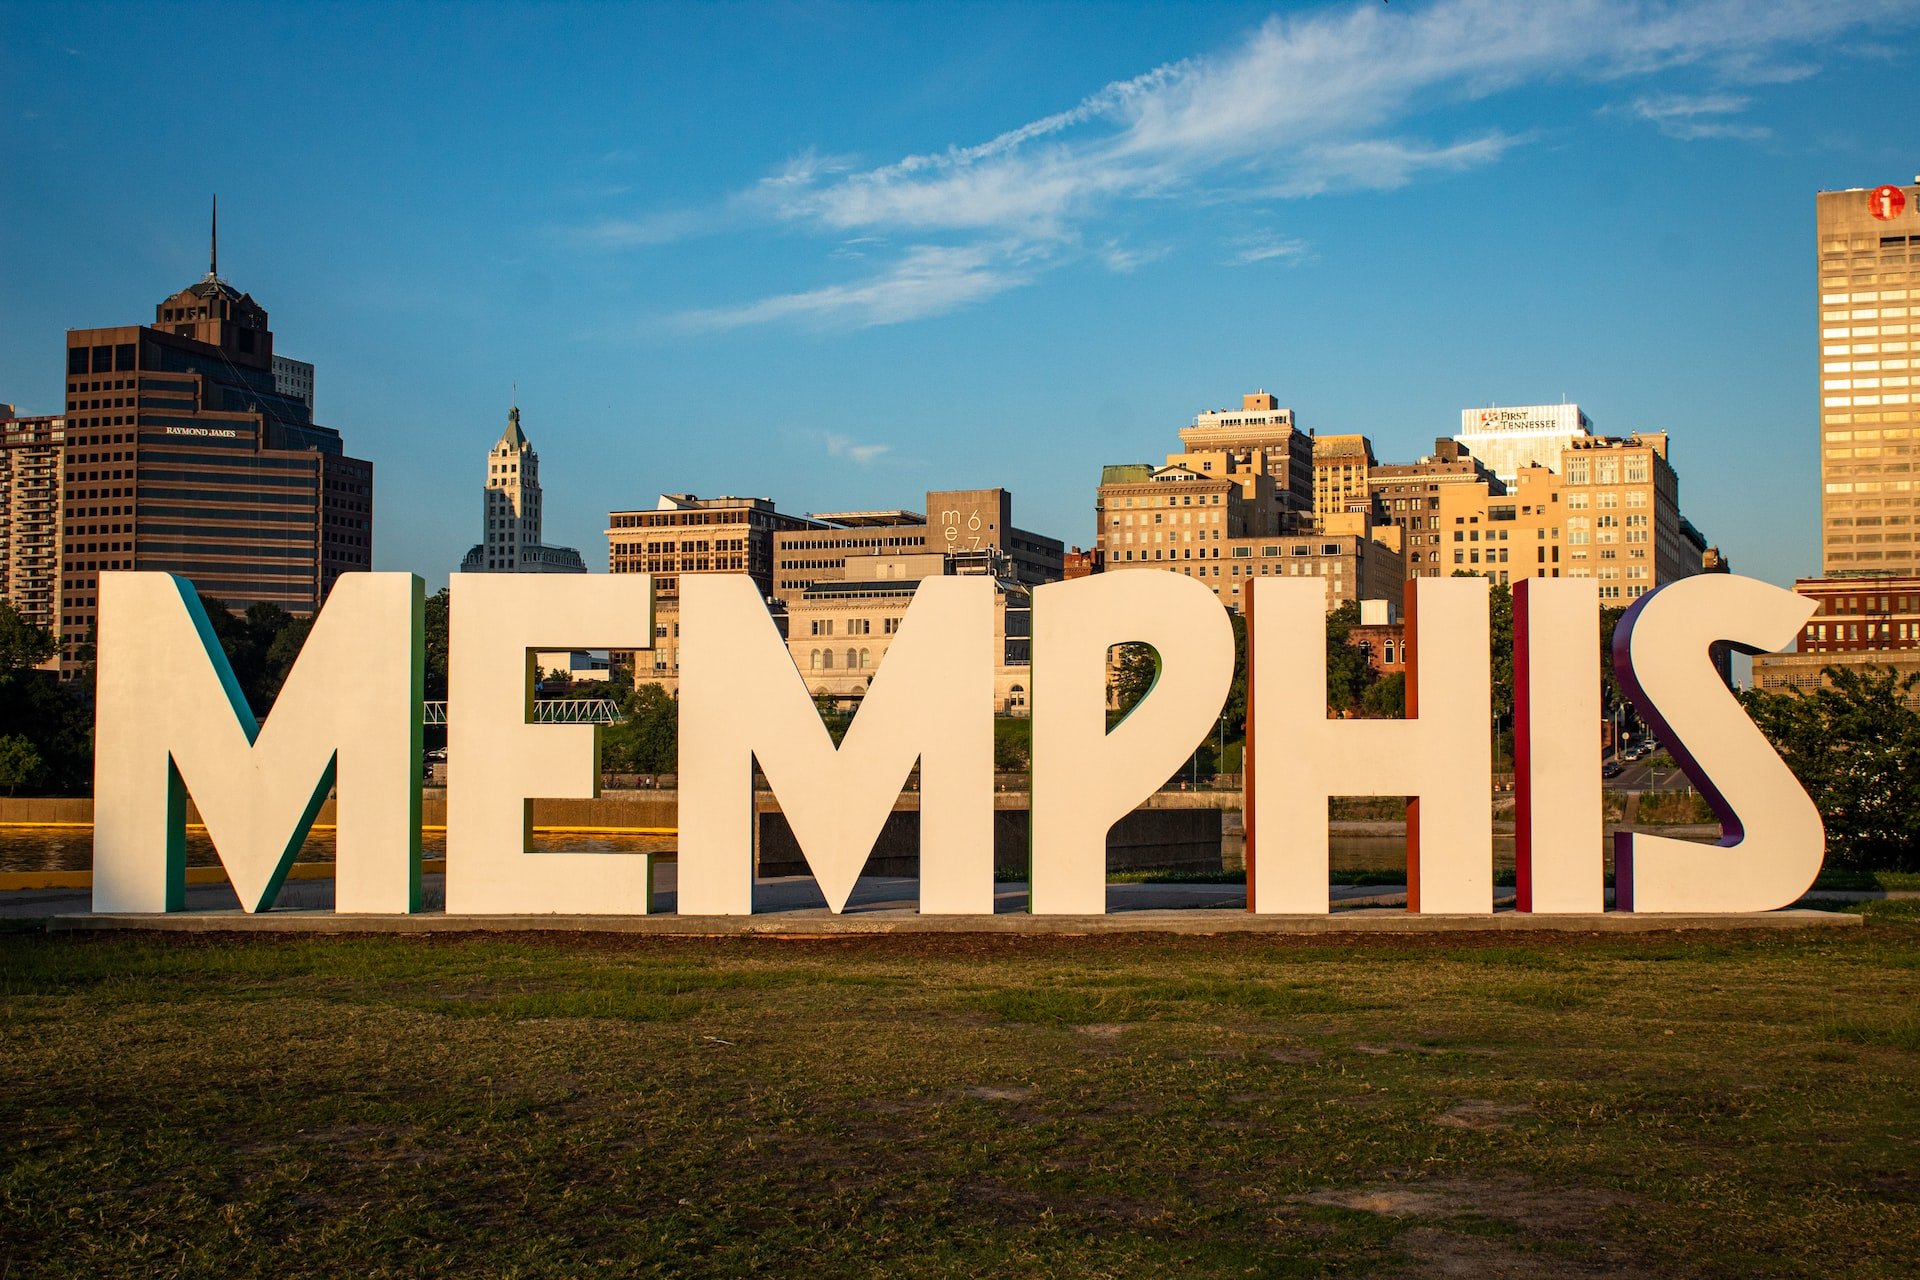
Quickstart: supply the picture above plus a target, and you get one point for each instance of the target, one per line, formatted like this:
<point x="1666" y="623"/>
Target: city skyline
<point x="1022" y="248"/>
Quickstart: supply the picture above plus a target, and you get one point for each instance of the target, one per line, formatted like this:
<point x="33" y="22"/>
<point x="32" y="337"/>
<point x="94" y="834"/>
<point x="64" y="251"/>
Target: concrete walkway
<point x="780" y="895"/>
<point x="793" y="906"/>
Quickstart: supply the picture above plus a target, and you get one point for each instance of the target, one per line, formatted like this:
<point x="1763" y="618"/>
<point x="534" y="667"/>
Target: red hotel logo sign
<point x="1886" y="203"/>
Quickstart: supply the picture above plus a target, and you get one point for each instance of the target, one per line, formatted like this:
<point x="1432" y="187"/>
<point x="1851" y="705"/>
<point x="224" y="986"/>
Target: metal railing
<point x="548" y="711"/>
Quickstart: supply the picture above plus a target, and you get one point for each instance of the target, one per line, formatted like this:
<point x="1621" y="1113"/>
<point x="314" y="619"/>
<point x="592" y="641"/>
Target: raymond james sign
<point x="172" y="721"/>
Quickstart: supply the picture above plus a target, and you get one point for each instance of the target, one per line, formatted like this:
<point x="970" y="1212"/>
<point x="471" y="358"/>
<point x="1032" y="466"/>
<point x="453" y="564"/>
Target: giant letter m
<point x="172" y="721"/>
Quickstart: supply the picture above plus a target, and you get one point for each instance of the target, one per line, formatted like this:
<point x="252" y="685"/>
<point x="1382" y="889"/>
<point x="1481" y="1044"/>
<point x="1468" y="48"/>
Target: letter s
<point x="1772" y="840"/>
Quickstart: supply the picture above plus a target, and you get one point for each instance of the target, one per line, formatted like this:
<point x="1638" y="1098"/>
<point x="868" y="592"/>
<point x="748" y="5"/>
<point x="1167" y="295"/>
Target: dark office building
<point x="182" y="456"/>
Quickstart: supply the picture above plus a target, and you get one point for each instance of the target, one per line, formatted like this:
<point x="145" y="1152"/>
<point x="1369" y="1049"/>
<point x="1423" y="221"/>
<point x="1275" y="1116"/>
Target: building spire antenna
<point x="213" y="242"/>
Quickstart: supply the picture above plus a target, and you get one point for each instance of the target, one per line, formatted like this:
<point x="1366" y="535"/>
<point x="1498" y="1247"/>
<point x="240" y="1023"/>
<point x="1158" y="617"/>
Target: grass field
<point x="1452" y="1105"/>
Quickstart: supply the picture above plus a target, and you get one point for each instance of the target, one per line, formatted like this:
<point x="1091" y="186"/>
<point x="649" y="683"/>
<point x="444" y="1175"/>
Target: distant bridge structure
<point x="548" y="711"/>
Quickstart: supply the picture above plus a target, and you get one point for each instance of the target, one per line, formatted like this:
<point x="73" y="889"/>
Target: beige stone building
<point x="1868" y="245"/>
<point x="510" y="539"/>
<point x="1422" y="499"/>
<point x="839" y="627"/>
<point x="1149" y="515"/>
<point x="1623" y="524"/>
<point x="1258" y="441"/>
<point x="688" y="534"/>
<point x="1342" y="466"/>
<point x="1238" y="503"/>
<point x="839" y="583"/>
<point x="838" y="632"/>
<point x="1181" y="520"/>
<point x="1356" y="566"/>
<point x="31" y="450"/>
<point x="973" y="525"/>
<point x="1610" y="511"/>
<point x="1241" y="473"/>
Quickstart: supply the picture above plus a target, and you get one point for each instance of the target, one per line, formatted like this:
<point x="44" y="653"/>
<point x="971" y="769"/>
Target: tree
<point x="1500" y="636"/>
<point x="39" y="714"/>
<point x="1012" y="743"/>
<point x="20" y="763"/>
<point x="1236" y="708"/>
<point x="1855" y="746"/>
<point x="22" y="644"/>
<point x="436" y="646"/>
<point x="1611" y="694"/>
<point x="261" y="646"/>
<point x="1386" y="698"/>
<point x="1134" y="669"/>
<point x="648" y="739"/>
<point x="1349" y="671"/>
<point x="281" y="653"/>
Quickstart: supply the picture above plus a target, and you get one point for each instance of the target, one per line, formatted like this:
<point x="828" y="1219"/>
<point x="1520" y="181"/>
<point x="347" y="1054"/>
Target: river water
<point x="71" y="848"/>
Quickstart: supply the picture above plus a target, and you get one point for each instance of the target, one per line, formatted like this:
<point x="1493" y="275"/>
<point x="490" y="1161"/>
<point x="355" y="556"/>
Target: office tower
<point x="183" y="455"/>
<point x="1341" y="468"/>
<point x="294" y="378"/>
<point x="1238" y="503"/>
<point x="1869" y="265"/>
<point x="30" y="452"/>
<point x="1421" y="499"/>
<point x="1606" y="508"/>
<point x="972" y="527"/>
<point x="1620" y="501"/>
<point x="840" y="626"/>
<point x="849" y="575"/>
<point x="1867" y="600"/>
<point x="1507" y="440"/>
<point x="510" y="524"/>
<point x="689" y="534"/>
<point x="1257" y="439"/>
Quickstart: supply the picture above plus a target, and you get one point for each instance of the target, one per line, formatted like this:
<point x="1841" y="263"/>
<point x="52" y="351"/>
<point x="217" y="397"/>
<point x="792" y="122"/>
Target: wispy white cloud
<point x="862" y="454"/>
<point x="1258" y="249"/>
<point x="1304" y="105"/>
<point x="929" y="280"/>
<point x="1124" y="259"/>
<point x="1694" y="116"/>
<point x="663" y="227"/>
<point x="1385" y="164"/>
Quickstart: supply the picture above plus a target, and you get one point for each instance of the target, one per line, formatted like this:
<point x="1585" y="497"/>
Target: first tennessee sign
<point x="172" y="722"/>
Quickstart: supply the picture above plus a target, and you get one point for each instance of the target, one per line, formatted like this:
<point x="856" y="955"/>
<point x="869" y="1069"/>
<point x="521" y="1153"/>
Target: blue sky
<point x="837" y="255"/>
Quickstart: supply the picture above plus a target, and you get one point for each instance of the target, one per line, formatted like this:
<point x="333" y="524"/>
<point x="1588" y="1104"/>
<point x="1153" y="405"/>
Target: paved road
<point x="1642" y="777"/>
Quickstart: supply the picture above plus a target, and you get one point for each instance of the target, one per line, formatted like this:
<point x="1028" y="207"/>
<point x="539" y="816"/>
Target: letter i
<point x="1556" y="745"/>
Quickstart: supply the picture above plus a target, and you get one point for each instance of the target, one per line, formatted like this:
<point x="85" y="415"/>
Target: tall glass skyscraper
<point x="1869" y="261"/>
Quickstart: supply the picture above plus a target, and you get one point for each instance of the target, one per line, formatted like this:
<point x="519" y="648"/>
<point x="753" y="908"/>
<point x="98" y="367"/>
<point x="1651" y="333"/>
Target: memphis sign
<point x="172" y="721"/>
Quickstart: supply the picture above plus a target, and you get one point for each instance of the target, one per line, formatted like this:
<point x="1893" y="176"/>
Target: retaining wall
<point x="1148" y="839"/>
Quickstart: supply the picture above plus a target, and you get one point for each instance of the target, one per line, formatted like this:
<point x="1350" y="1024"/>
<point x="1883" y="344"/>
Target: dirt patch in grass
<point x="1105" y="1030"/>
<point x="1436" y="1254"/>
<point x="1449" y="1236"/>
<point x="1482" y="1114"/>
